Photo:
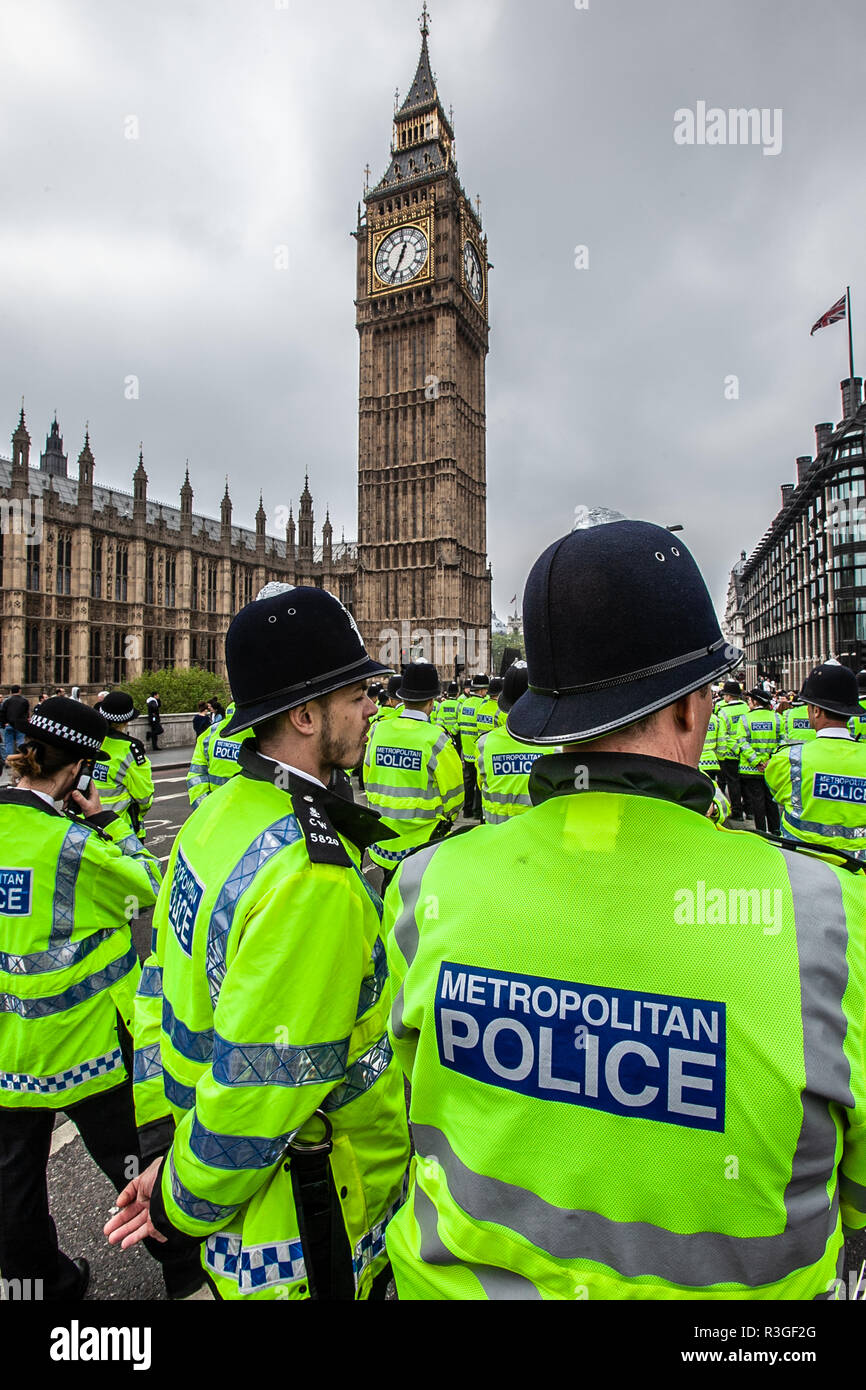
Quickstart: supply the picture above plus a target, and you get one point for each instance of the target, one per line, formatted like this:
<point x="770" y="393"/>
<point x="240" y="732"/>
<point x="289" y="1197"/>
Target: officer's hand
<point x="89" y="805"/>
<point x="132" y="1223"/>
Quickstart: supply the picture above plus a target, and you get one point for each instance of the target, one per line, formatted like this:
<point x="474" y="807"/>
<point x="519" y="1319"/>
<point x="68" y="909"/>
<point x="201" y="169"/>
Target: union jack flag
<point x="832" y="315"/>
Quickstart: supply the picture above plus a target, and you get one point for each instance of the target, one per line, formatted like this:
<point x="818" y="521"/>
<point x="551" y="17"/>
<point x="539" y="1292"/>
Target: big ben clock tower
<point x="422" y="318"/>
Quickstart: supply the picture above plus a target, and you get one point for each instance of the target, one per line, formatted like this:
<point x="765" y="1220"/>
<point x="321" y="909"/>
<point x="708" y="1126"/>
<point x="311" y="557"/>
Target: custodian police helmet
<point x="618" y="623"/>
<point x="292" y="647"/>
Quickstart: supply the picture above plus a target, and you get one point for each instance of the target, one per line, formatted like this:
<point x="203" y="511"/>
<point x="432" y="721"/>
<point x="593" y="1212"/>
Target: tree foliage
<point x="181" y="690"/>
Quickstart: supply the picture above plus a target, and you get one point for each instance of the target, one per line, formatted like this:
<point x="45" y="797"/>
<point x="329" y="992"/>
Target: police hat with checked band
<point x="290" y="648"/>
<point x="70" y="726"/>
<point x="618" y="623"/>
<point x="118" y="708"/>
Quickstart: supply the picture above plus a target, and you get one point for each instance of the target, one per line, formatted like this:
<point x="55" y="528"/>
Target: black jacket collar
<point x="629" y="774"/>
<point x="360" y="825"/>
<point x="9" y="796"/>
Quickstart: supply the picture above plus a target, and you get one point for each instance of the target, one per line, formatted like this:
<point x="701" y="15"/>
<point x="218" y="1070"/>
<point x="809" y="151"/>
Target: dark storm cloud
<point x="158" y="256"/>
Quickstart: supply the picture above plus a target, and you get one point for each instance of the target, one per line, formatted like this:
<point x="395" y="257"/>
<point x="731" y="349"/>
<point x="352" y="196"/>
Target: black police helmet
<point x="618" y="624"/>
<point x="732" y="688"/>
<point x="293" y="647"/>
<point x="514" y="685"/>
<point x="833" y="689"/>
<point x="420" y="682"/>
<point x="69" y="726"/>
<point x="394" y="683"/>
<point x="759" y="696"/>
<point x="118" y="708"/>
<point x="453" y="690"/>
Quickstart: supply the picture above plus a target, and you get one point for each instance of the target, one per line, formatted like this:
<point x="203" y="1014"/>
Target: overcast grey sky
<point x="154" y="256"/>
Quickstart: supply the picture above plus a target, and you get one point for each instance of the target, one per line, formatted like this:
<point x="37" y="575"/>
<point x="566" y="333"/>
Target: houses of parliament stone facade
<point x="99" y="584"/>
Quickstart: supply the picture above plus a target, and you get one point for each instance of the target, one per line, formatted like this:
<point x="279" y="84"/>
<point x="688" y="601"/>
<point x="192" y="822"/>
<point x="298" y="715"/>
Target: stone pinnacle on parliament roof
<point x="22" y="433"/>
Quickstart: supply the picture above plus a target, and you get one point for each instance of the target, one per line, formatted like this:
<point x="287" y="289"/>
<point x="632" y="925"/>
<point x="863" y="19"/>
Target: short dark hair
<point x="14" y="689"/>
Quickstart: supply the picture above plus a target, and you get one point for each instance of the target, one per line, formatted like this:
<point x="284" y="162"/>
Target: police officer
<point x="267" y="995"/>
<point x="580" y="1001"/>
<point x="821" y="786"/>
<point x="504" y="763"/>
<point x="125" y="780"/>
<point x="412" y="772"/>
<point x="468" y="728"/>
<point x="795" y="724"/>
<point x="760" y="726"/>
<point x="449" y="710"/>
<point x="709" y="759"/>
<point x="729" y="713"/>
<point x="214" y="759"/>
<point x="70" y="876"/>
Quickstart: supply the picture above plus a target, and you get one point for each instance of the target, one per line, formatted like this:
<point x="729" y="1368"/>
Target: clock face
<point x="473" y="273"/>
<point x="402" y="255"/>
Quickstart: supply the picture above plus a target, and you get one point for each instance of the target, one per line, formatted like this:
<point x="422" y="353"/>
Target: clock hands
<point x="402" y="254"/>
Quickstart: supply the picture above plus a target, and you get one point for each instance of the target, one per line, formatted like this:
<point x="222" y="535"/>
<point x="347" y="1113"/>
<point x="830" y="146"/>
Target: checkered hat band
<point x="57" y="730"/>
<point x="117" y="718"/>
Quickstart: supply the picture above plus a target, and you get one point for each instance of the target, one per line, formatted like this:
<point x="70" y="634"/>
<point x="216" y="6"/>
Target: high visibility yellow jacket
<point x="265" y="1000"/>
<point x="215" y="759"/>
<point x="447" y="714"/>
<point x="729" y="715"/>
<point x="468" y="728"/>
<point x="821" y="791"/>
<point x="68" y="890"/>
<point x="600" y="1105"/>
<point x="761" y="728"/>
<point x="413" y="778"/>
<point x="795" y="725"/>
<point x="709" y="760"/>
<point x="504" y="766"/>
<point x="125" y="782"/>
<point x="857" y="725"/>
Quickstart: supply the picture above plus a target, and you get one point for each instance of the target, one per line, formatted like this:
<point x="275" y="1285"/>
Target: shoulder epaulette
<point x="324" y="845"/>
<point x="138" y="752"/>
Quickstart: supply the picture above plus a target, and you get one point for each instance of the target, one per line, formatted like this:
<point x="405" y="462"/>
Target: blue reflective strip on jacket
<point x="196" y="1207"/>
<point x="68" y="864"/>
<point x="150" y="984"/>
<point x="361" y="1075"/>
<point x="75" y="994"/>
<point x="260" y="1064"/>
<point x="176" y="1093"/>
<point x="59" y="957"/>
<point x="278" y="836"/>
<point x="195" y="1046"/>
<point x="235" y="1151"/>
<point x="372" y="985"/>
<point x="146" y="1065"/>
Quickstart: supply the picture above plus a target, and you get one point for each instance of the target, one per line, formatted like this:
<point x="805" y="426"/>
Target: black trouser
<point x="731" y="769"/>
<point x="756" y="795"/>
<point x="28" y="1236"/>
<point x="471" y="792"/>
<point x="773" y="822"/>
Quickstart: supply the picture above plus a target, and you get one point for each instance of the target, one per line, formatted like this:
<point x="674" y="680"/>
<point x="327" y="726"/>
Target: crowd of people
<point x="603" y="900"/>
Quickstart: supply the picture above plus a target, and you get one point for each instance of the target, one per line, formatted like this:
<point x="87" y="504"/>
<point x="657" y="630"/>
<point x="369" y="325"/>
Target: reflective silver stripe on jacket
<point x="406" y="926"/>
<point x="500" y="1284"/>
